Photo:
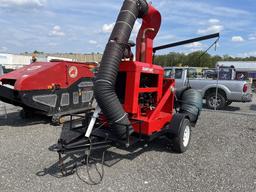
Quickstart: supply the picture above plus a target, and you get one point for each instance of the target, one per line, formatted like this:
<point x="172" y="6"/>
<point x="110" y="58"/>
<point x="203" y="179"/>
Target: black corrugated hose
<point x="191" y="104"/>
<point x="104" y="85"/>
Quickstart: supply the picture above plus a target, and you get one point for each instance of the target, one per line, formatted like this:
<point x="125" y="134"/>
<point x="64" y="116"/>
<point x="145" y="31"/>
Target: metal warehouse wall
<point x="94" y="57"/>
<point x="249" y="66"/>
<point x="81" y="57"/>
<point x="11" y="61"/>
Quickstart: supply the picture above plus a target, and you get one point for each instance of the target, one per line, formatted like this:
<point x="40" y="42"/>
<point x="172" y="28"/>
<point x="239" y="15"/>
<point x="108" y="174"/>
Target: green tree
<point x="195" y="59"/>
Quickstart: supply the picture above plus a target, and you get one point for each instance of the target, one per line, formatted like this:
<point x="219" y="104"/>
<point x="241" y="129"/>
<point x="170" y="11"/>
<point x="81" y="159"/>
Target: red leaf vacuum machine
<point x="135" y="103"/>
<point x="128" y="102"/>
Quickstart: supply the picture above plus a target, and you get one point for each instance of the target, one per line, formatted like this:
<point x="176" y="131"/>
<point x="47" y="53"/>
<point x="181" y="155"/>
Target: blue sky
<point x="83" y="26"/>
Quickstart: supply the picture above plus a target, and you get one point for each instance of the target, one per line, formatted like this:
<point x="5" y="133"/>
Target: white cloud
<point x="214" y="21"/>
<point x="204" y="8"/>
<point x="248" y="54"/>
<point x="107" y="28"/>
<point x="93" y="42"/>
<point x="211" y="29"/>
<point x="3" y="49"/>
<point x="194" y="45"/>
<point x="214" y="26"/>
<point x="22" y="3"/>
<point x="252" y="37"/>
<point x="136" y="27"/>
<point x="52" y="44"/>
<point x="56" y="31"/>
<point x="237" y="39"/>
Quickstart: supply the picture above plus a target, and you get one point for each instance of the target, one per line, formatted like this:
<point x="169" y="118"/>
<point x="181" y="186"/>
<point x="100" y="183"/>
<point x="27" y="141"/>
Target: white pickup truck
<point x="228" y="90"/>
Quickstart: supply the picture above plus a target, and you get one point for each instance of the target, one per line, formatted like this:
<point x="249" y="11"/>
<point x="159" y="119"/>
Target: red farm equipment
<point x="53" y="89"/>
<point x="135" y="103"/>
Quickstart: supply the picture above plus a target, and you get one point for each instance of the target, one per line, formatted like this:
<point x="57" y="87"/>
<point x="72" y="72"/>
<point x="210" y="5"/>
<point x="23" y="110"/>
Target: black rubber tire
<point x="25" y="114"/>
<point x="228" y="103"/>
<point x="221" y="101"/>
<point x="178" y="144"/>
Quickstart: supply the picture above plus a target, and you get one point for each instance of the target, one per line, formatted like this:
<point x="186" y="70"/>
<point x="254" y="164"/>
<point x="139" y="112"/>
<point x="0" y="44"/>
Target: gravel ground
<point x="222" y="157"/>
<point x="242" y="108"/>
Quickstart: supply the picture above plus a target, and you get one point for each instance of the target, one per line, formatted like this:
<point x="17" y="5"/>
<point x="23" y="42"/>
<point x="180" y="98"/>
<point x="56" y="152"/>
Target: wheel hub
<point x="215" y="102"/>
<point x="186" y="136"/>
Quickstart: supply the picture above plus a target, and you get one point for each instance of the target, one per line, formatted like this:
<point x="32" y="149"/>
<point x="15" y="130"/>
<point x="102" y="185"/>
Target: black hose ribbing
<point x="192" y="103"/>
<point x="104" y="87"/>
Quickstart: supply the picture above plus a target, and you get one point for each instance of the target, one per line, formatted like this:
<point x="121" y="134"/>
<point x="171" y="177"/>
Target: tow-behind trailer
<point x="135" y="103"/>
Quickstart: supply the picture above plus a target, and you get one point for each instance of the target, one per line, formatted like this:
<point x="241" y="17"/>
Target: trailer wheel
<point x="182" y="140"/>
<point x="180" y="133"/>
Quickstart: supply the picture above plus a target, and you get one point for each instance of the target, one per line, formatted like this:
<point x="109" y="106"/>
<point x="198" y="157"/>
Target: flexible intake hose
<point x="104" y="86"/>
<point x="192" y="103"/>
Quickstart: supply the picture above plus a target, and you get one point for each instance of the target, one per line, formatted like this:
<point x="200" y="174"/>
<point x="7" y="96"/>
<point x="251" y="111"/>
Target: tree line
<point x="195" y="59"/>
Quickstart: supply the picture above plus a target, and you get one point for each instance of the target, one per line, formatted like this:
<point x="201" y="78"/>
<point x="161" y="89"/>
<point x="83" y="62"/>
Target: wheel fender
<point x="214" y="86"/>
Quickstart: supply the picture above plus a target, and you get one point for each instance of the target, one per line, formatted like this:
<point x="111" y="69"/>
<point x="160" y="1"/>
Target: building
<point x="50" y="58"/>
<point x="241" y="66"/>
<point x="93" y="57"/>
<point x="11" y="61"/>
<point x="247" y="68"/>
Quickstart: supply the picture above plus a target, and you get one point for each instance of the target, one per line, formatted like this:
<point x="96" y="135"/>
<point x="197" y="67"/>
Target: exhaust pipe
<point x="104" y="85"/>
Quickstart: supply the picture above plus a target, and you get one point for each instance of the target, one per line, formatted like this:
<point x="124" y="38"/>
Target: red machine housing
<point x="141" y="77"/>
<point x="49" y="88"/>
<point x="135" y="101"/>
<point x="44" y="75"/>
<point x="154" y="117"/>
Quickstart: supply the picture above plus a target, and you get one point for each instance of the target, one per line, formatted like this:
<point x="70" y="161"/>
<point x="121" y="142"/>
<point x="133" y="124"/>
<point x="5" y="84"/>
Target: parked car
<point x="228" y="91"/>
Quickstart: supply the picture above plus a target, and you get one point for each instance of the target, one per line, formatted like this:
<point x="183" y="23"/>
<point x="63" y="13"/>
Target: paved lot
<point x="221" y="158"/>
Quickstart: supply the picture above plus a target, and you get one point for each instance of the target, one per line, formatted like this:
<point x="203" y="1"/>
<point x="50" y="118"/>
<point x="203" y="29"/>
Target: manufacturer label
<point x="147" y="69"/>
<point x="85" y="84"/>
<point x="73" y="72"/>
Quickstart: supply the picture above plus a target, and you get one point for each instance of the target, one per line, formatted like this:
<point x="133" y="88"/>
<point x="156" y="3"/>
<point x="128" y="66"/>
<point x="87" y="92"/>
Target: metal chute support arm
<point x="150" y="26"/>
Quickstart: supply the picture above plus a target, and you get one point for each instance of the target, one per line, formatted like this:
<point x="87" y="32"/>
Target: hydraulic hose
<point x="104" y="85"/>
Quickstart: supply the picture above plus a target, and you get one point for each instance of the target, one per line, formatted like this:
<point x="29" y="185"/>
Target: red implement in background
<point x="49" y="88"/>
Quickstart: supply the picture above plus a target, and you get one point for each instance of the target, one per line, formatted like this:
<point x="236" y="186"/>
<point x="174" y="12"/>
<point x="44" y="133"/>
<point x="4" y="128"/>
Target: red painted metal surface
<point x="44" y="75"/>
<point x="162" y="90"/>
<point x="150" y="26"/>
<point x="153" y="119"/>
